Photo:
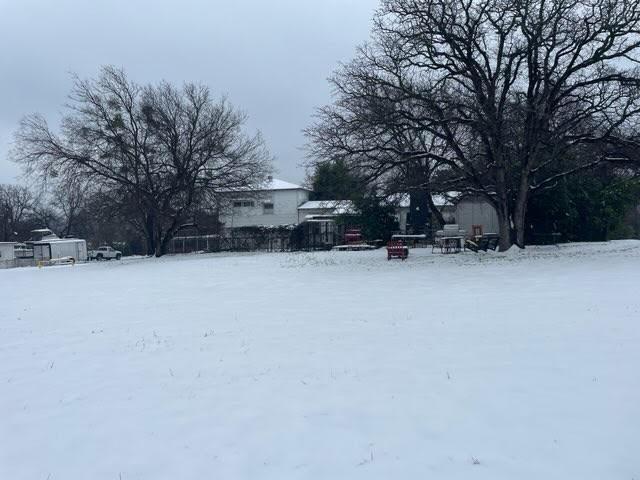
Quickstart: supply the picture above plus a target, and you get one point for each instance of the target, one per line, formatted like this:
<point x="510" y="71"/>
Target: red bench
<point x="397" y="249"/>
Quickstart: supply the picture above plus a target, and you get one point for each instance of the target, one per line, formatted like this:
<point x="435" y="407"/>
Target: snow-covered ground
<point x="332" y="365"/>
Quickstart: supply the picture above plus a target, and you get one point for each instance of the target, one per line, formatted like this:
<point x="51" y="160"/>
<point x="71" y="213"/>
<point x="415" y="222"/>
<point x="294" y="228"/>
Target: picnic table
<point x="450" y="239"/>
<point x="452" y="244"/>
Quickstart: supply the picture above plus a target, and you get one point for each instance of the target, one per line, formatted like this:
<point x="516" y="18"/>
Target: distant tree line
<point x="516" y="101"/>
<point x="138" y="161"/>
<point x="596" y="205"/>
<point x="65" y="211"/>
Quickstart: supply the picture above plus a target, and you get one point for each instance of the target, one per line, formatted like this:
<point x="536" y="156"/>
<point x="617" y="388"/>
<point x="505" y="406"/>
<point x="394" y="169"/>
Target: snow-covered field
<point x="325" y="366"/>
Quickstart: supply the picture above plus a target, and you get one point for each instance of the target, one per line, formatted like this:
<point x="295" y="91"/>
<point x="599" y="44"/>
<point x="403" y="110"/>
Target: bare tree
<point x="69" y="197"/>
<point x="374" y="142"/>
<point x="16" y="202"/>
<point x="505" y="90"/>
<point x="161" y="149"/>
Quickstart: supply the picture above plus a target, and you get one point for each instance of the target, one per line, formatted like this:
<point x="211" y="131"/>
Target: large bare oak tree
<point x="159" y="150"/>
<point x="500" y="94"/>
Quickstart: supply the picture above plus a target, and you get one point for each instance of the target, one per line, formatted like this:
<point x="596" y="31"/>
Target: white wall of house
<point x="271" y="207"/>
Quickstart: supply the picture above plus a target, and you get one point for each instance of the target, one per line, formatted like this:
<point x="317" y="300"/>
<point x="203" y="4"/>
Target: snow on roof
<point x="57" y="240"/>
<point x="336" y="207"/>
<point x="401" y="200"/>
<point x="277" y="184"/>
<point x="270" y="184"/>
<point x="319" y="218"/>
<point x="320" y="204"/>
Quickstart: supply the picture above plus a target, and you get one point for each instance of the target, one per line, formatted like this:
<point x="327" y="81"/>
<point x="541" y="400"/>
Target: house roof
<point x="346" y="207"/>
<point x="335" y="207"/>
<point x="57" y="241"/>
<point x="320" y="204"/>
<point x="271" y="184"/>
<point x="277" y="184"/>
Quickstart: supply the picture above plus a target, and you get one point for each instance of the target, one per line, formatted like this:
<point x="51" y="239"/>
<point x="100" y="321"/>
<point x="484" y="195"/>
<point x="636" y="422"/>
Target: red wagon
<point x="397" y="249"/>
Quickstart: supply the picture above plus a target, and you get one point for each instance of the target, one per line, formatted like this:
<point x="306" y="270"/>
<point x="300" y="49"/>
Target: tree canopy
<point x="158" y="151"/>
<point x="500" y="98"/>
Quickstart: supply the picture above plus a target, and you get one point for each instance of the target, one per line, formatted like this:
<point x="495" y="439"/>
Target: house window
<point x="267" y="208"/>
<point x="243" y="203"/>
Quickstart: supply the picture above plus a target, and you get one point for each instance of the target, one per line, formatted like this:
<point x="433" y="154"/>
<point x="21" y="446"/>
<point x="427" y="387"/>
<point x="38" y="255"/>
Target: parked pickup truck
<point x="104" y="253"/>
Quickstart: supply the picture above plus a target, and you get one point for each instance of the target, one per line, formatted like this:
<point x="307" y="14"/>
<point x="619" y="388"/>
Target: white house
<point x="466" y="211"/>
<point x="275" y="204"/>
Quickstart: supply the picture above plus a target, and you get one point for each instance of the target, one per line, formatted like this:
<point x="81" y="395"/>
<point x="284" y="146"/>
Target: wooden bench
<point x="397" y="249"/>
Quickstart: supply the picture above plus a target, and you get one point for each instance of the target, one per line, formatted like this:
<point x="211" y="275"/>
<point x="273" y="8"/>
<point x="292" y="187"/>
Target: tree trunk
<point x="419" y="216"/>
<point x="168" y="235"/>
<point x="149" y="232"/>
<point x="163" y="239"/>
<point x="519" y="218"/>
<point x="504" y="212"/>
<point x="435" y="211"/>
<point x="158" y="252"/>
<point x="163" y="243"/>
<point x="67" y="228"/>
<point x="504" y="225"/>
<point x="520" y="210"/>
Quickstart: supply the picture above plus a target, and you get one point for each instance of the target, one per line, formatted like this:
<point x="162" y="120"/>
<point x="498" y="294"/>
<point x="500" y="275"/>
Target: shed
<point x="472" y="210"/>
<point x="7" y="254"/>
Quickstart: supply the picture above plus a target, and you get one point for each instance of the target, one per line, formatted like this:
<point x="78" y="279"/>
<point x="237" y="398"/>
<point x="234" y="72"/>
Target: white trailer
<point x="72" y="248"/>
<point x="7" y="254"/>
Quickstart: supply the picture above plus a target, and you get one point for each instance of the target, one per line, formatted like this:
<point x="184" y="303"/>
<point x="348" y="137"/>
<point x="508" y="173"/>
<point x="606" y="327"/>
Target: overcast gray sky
<point x="271" y="57"/>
